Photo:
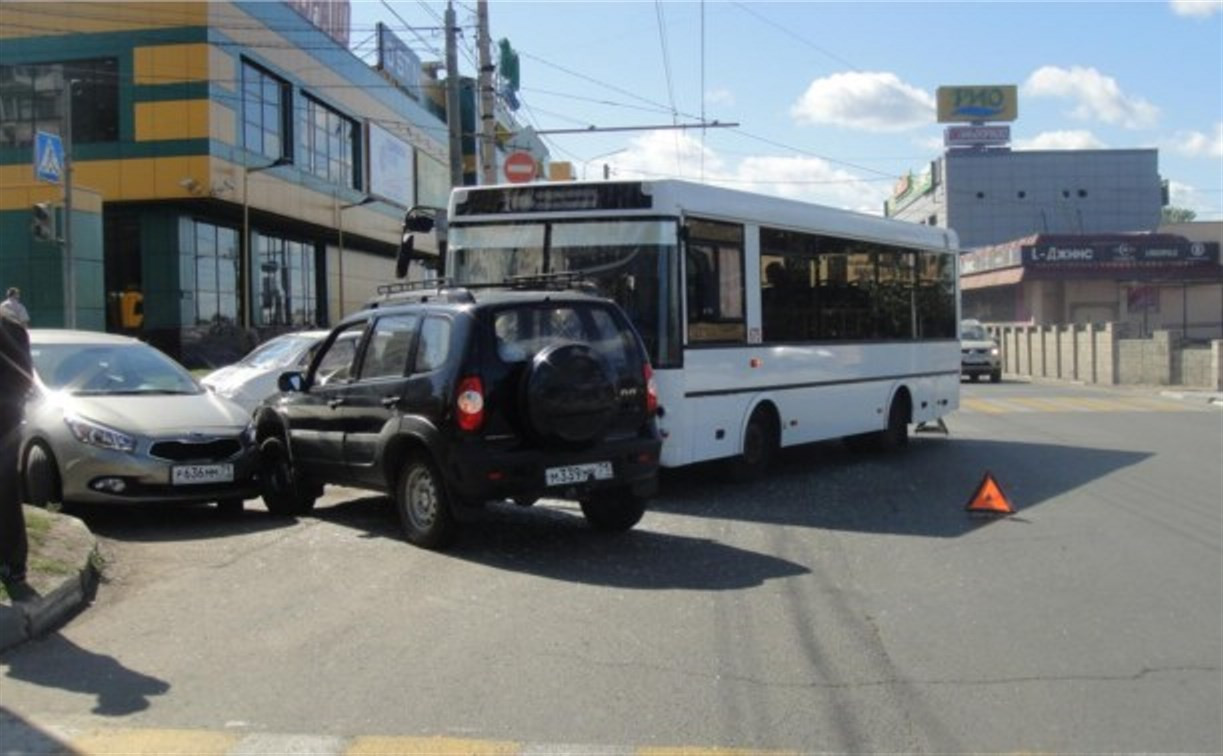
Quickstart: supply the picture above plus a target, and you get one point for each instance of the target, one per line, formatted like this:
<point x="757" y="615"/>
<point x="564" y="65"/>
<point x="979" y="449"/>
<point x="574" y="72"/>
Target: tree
<point x="1173" y="214"/>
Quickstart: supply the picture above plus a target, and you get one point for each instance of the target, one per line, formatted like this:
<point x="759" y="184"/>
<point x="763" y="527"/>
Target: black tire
<point x="760" y="442"/>
<point x="568" y="395"/>
<point x="40" y="477"/>
<point x="613" y="511"/>
<point x="896" y="435"/>
<point x="285" y="494"/>
<point x="423" y="506"/>
<point x="995" y="377"/>
<point x="231" y="507"/>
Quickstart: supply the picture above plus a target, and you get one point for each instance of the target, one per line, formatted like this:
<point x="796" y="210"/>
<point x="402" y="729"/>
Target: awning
<point x="1005" y="277"/>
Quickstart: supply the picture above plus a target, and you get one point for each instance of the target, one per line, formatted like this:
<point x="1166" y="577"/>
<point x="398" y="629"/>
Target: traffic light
<point x="42" y="222"/>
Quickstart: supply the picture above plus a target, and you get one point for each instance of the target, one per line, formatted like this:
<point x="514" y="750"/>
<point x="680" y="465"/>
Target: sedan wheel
<point x="40" y="476"/>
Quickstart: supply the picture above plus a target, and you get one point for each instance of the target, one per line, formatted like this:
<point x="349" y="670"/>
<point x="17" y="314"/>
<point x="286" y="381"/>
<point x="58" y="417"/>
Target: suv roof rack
<point x="447" y="290"/>
<point x="421" y="291"/>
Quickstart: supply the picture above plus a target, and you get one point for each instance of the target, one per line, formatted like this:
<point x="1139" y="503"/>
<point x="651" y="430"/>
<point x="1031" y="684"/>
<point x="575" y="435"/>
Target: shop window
<point x="285" y="277"/>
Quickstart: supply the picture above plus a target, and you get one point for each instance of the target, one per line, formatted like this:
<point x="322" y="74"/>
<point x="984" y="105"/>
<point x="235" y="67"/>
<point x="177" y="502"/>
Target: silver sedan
<point x="111" y="419"/>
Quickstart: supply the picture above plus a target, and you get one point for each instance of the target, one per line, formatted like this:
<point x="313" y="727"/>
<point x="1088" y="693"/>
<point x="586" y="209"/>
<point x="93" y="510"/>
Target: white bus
<point x="769" y="322"/>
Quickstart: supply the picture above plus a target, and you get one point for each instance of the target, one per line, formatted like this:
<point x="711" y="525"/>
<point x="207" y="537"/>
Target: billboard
<point x="398" y="61"/>
<point x="987" y="102"/>
<point x="392" y="167"/>
<point x="976" y="136"/>
<point x="331" y="16"/>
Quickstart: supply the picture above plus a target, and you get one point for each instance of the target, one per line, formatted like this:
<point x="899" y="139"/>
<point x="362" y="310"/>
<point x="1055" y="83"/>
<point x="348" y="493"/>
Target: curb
<point x="25" y="620"/>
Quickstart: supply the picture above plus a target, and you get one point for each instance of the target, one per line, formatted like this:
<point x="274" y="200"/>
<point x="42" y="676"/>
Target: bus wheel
<point x="896" y="435"/>
<point x="760" y="444"/>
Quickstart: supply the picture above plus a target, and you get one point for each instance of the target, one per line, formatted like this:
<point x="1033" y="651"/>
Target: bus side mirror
<point x="404" y="257"/>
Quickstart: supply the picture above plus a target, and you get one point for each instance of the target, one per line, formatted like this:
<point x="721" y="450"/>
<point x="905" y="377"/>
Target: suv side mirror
<point x="291" y="381"/>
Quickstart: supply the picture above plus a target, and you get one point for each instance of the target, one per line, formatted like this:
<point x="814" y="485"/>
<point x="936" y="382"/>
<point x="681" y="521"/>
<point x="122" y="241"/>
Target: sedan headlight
<point x="248" y="433"/>
<point x="994" y="352"/>
<point x="95" y="434"/>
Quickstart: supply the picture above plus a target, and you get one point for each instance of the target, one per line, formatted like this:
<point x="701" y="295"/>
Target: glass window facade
<point x="32" y="99"/>
<point x="285" y="277"/>
<point x="265" y="100"/>
<point x="215" y="250"/>
<point x="329" y="145"/>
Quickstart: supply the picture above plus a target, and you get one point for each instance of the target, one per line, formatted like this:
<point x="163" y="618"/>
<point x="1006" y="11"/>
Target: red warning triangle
<point x="989" y="498"/>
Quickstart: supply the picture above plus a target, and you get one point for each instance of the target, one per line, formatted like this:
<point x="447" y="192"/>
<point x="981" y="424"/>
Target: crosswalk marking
<point x="1016" y="404"/>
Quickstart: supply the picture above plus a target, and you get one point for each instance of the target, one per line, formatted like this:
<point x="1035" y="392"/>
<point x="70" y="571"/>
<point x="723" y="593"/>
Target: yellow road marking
<point x="155" y="742"/>
<point x="396" y="746"/>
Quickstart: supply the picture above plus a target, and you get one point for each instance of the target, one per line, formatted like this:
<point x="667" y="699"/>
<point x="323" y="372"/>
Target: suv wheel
<point x="284" y="493"/>
<point x="613" y="511"/>
<point x="423" y="507"/>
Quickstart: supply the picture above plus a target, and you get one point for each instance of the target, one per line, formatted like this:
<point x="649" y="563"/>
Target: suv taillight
<point x="651" y="390"/>
<point x="469" y="404"/>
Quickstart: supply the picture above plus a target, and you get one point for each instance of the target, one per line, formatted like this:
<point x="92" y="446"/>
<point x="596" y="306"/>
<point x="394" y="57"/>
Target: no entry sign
<point x="519" y="167"/>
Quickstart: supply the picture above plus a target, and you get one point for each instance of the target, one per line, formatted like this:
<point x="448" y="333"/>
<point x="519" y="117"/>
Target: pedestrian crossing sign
<point x="48" y="157"/>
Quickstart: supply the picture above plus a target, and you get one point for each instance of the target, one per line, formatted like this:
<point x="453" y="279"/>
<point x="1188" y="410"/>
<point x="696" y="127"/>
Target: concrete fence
<point x="1096" y="353"/>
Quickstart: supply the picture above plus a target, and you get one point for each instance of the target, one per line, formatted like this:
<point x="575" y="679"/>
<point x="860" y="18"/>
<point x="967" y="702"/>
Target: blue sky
<point x="835" y="100"/>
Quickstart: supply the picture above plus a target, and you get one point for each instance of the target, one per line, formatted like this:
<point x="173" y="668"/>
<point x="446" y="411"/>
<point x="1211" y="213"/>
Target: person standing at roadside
<point x="13" y="306"/>
<point x="15" y="372"/>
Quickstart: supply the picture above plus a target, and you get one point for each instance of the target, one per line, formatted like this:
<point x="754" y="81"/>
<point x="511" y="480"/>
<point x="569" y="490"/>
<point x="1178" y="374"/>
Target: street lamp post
<point x="586" y="163"/>
<point x="339" y="213"/>
<point x="244" y="263"/>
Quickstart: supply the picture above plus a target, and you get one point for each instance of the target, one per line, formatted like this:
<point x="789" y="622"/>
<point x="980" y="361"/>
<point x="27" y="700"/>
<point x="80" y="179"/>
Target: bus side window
<point x="713" y="272"/>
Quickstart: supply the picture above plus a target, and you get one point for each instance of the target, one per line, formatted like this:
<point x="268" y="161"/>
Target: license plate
<point x="570" y="474"/>
<point x="191" y="475"/>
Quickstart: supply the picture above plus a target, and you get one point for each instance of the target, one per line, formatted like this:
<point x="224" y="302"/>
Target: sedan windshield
<point x="99" y="369"/>
<point x="285" y="351"/>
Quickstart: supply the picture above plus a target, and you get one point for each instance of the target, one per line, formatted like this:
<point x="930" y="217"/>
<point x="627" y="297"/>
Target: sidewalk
<point x="62" y="570"/>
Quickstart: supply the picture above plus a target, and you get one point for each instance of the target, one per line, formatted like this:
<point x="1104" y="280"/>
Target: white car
<point x="979" y="353"/>
<point x="253" y="378"/>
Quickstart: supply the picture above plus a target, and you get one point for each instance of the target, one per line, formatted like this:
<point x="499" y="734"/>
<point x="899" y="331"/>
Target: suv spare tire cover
<point x="569" y="394"/>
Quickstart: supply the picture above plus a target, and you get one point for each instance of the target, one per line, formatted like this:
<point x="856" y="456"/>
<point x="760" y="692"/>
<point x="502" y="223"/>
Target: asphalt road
<point x="848" y="603"/>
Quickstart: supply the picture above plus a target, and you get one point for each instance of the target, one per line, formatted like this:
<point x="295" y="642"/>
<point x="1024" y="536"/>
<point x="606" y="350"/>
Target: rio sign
<point x="998" y="102"/>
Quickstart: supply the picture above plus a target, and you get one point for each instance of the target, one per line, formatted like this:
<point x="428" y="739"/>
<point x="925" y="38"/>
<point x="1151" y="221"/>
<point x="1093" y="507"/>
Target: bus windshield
<point x="632" y="262"/>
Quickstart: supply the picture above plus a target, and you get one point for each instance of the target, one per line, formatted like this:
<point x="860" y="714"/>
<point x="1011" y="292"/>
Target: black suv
<point x="447" y="398"/>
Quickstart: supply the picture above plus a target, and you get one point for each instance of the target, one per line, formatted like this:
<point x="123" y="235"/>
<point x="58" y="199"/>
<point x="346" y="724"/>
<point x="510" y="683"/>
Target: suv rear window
<point x="523" y="331"/>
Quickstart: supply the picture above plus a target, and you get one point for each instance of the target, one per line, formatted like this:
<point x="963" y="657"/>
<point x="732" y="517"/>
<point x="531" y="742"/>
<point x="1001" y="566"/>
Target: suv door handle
<point x="333" y="403"/>
<point x="390" y="401"/>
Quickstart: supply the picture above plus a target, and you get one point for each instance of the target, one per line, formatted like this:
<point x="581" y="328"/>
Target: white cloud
<point x="860" y="100"/>
<point x="719" y="96"/>
<point x="1097" y="96"/>
<point x="1198" y="8"/>
<point x="1061" y="140"/>
<point x="661" y="154"/>
<point x="1197" y="144"/>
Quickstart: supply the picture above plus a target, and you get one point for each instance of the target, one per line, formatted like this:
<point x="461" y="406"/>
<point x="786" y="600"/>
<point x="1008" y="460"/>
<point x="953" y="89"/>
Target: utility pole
<point x="488" y="130"/>
<point x="69" y="276"/>
<point x="454" y="120"/>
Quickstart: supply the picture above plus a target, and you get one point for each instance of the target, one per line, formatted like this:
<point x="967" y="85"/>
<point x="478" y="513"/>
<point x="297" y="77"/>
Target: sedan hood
<point x="155" y="415"/>
<point x="231" y="378"/>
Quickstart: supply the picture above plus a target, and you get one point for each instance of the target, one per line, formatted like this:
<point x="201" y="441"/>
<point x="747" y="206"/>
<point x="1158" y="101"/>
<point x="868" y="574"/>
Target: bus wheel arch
<point x="759" y="441"/>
